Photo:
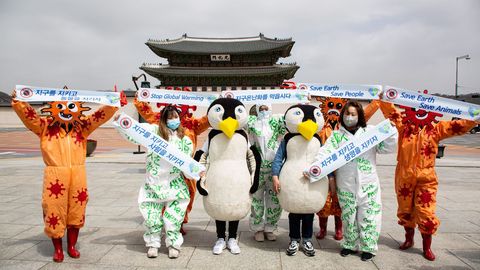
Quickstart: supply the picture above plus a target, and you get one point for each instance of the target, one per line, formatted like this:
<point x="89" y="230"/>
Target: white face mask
<point x="350" y="121"/>
<point x="264" y="114"/>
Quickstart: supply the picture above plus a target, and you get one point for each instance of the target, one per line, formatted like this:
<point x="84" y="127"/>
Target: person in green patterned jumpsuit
<point x="265" y="132"/>
<point x="164" y="197"/>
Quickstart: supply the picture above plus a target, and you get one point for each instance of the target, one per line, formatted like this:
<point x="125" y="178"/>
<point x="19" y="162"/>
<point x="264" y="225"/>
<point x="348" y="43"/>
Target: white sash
<point x="176" y="97"/>
<point x="348" y="91"/>
<point x="30" y="93"/>
<point x="273" y="96"/>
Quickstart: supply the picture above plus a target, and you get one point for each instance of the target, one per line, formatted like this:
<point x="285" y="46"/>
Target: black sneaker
<point x="308" y="249"/>
<point x="367" y="256"/>
<point x="345" y="252"/>
<point x="292" y="248"/>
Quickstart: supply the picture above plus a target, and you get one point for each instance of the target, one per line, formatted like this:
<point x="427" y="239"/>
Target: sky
<point x="93" y="44"/>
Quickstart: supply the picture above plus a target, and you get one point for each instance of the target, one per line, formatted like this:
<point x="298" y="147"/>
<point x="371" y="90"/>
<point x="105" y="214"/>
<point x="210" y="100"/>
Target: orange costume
<point x="63" y="140"/>
<point x="331" y="108"/>
<point x="415" y="179"/>
<point x="193" y="128"/>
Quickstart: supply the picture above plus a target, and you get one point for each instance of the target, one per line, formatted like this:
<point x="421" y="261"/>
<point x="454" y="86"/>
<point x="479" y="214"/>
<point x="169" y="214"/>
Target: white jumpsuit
<point x="265" y="134"/>
<point x="358" y="190"/>
<point x="164" y="187"/>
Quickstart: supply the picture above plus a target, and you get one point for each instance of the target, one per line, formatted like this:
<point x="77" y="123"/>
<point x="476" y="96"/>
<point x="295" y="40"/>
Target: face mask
<point x="350" y="121"/>
<point x="173" y="124"/>
<point x="263" y="114"/>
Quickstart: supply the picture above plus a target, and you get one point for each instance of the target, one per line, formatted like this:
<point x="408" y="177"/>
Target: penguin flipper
<point x="200" y="187"/>
<point x="258" y="162"/>
<point x="198" y="155"/>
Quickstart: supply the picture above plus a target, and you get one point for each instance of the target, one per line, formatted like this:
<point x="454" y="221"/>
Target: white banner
<point x="273" y="96"/>
<point x="30" y="93"/>
<point x="432" y="103"/>
<point x="350" y="150"/>
<point x="159" y="146"/>
<point x="348" y="91"/>
<point x="176" y="97"/>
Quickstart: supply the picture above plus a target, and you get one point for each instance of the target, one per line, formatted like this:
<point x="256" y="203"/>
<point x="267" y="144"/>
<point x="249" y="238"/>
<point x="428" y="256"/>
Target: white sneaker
<point x="152" y="252"/>
<point x="173" y="252"/>
<point x="220" y="245"/>
<point x="233" y="246"/>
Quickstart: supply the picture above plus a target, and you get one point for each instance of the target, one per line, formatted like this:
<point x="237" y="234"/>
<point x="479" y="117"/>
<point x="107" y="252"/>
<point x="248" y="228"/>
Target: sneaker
<point x="367" y="256"/>
<point x="173" y="252"/>
<point x="152" y="252"/>
<point x="259" y="237"/>
<point x="270" y="236"/>
<point x="345" y="252"/>
<point x="232" y="245"/>
<point x="292" y="248"/>
<point x="308" y="248"/>
<point x="220" y="245"/>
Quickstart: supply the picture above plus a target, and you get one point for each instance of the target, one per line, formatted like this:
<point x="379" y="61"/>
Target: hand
<point x="309" y="97"/>
<point x="380" y="94"/>
<point x="202" y="174"/>
<point x="306" y="175"/>
<point x="116" y="117"/>
<point x="123" y="99"/>
<point x="276" y="184"/>
<point x="14" y="94"/>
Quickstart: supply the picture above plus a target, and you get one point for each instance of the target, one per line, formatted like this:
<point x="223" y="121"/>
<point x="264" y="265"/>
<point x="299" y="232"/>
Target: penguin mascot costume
<point x="296" y="194"/>
<point x="233" y="168"/>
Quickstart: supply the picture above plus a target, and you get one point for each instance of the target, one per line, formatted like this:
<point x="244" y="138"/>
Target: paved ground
<point x="112" y="238"/>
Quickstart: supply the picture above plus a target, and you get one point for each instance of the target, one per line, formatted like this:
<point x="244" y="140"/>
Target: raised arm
<point x="390" y="112"/>
<point x="146" y="111"/>
<point x="99" y="117"/>
<point x="371" y="109"/>
<point x="28" y="115"/>
<point x="447" y="129"/>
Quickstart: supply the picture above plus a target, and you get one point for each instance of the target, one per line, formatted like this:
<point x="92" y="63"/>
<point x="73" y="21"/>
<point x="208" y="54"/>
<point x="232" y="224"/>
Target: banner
<point x="176" y="97"/>
<point x="30" y="93"/>
<point x="432" y="103"/>
<point x="350" y="150"/>
<point x="348" y="91"/>
<point x="273" y="96"/>
<point x="159" y="146"/>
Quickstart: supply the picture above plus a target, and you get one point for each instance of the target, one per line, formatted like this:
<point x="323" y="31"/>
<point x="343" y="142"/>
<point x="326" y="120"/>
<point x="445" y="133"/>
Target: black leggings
<point x="232" y="228"/>
<point x="306" y="225"/>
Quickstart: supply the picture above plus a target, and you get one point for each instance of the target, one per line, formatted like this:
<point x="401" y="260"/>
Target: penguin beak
<point x="228" y="126"/>
<point x="307" y="129"/>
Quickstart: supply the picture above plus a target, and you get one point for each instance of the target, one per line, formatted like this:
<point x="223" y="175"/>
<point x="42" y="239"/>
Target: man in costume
<point x="63" y="141"/>
<point x="416" y="182"/>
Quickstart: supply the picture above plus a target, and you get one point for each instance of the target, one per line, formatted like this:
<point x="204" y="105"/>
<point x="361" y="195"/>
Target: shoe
<point x="308" y="249"/>
<point x="292" y="248"/>
<point x="345" y="252"/>
<point x="220" y="245"/>
<point x="152" y="252"/>
<point x="367" y="256"/>
<point x="409" y="233"/>
<point x="338" y="229"/>
<point x="72" y="236"/>
<point x="173" y="252"/>
<point x="259" y="237"/>
<point x="232" y="245"/>
<point x="427" y="250"/>
<point x="58" y="253"/>
<point x="323" y="227"/>
<point x="270" y="236"/>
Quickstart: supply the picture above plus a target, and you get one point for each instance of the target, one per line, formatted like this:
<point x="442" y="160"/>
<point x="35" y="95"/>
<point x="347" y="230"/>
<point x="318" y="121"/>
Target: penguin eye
<point x="318" y="114"/>
<point x="239" y="110"/>
<point x="297" y="113"/>
<point x="217" y="109"/>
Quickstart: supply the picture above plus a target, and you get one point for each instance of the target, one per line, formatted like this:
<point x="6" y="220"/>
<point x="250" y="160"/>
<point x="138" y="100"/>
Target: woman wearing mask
<point x="357" y="184"/>
<point x="265" y="132"/>
<point x="164" y="187"/>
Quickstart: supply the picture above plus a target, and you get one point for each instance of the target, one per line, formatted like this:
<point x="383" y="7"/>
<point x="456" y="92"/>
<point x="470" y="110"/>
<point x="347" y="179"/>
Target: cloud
<point x="95" y="44"/>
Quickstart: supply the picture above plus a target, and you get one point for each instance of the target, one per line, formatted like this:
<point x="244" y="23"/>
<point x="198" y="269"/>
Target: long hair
<point x="163" y="131"/>
<point x="361" y="113"/>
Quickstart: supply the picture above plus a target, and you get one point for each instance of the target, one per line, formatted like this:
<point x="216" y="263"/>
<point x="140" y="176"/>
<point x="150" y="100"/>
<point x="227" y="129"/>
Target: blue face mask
<point x="173" y="124"/>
